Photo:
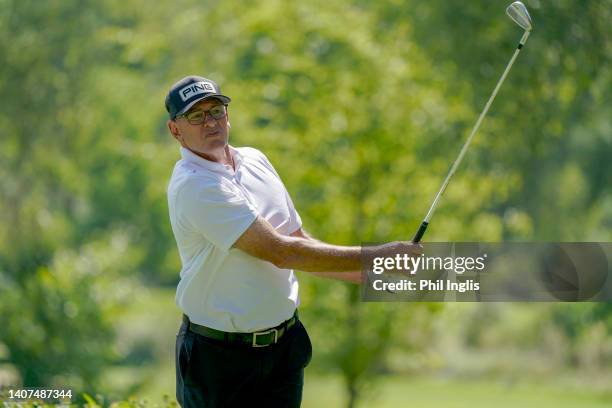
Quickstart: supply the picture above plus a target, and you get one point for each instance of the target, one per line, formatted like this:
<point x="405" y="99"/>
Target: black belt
<point x="261" y="338"/>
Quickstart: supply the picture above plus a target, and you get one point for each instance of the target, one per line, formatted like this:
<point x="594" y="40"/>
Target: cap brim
<point x="224" y="99"/>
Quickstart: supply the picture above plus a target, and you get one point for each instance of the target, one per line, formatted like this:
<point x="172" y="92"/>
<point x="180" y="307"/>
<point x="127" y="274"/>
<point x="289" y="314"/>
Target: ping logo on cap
<point x="196" y="89"/>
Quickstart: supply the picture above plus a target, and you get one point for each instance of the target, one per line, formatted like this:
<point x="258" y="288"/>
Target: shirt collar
<point x="190" y="156"/>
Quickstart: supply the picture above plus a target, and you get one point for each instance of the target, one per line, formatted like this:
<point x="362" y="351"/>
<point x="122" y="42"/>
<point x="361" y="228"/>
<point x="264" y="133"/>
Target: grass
<point x="428" y="392"/>
<point x="397" y="392"/>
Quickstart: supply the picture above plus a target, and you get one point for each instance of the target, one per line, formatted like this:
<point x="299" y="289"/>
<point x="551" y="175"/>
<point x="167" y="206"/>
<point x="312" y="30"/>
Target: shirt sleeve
<point x="220" y="212"/>
<point x="295" y="221"/>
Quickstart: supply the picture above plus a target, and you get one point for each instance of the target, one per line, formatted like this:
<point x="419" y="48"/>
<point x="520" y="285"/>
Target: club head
<point x="519" y="14"/>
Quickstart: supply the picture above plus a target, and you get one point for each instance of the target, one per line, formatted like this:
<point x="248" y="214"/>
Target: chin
<point x="216" y="143"/>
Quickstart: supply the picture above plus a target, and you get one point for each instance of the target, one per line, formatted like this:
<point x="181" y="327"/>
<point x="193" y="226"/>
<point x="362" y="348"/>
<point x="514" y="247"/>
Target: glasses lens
<point x="195" y="117"/>
<point x="217" y="112"/>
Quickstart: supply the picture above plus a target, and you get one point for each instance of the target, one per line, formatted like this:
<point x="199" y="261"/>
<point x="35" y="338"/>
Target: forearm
<point x="315" y="256"/>
<point x="300" y="251"/>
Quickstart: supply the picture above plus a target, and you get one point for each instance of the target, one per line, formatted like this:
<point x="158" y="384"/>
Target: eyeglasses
<point x="197" y="117"/>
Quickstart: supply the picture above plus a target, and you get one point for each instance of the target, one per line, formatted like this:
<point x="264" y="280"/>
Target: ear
<point x="229" y="125"/>
<point x="174" y="130"/>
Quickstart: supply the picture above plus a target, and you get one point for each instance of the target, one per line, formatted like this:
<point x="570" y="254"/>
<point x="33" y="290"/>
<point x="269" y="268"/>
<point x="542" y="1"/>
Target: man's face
<point x="209" y="137"/>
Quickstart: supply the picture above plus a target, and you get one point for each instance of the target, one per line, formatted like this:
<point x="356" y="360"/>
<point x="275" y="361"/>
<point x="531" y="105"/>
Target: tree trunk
<point x="353" y="395"/>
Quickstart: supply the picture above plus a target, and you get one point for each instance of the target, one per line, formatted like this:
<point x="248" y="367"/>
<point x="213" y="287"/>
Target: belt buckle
<point x="263" y="333"/>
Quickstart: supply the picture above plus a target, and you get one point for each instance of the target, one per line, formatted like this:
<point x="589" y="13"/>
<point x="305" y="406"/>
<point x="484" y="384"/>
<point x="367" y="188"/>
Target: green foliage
<point x="64" y="250"/>
<point x="361" y="106"/>
<point x="57" y="321"/>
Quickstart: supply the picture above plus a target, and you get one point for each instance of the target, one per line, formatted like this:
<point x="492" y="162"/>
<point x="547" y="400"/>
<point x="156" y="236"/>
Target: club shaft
<point x="421" y="231"/>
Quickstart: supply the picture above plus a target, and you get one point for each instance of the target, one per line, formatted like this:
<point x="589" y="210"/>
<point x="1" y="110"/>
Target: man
<point x="239" y="238"/>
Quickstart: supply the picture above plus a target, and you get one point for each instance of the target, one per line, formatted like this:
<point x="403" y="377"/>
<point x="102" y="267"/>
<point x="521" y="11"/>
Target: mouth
<point x="213" y="133"/>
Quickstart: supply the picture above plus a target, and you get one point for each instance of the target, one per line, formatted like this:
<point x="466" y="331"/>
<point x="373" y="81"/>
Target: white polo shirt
<point x="211" y="205"/>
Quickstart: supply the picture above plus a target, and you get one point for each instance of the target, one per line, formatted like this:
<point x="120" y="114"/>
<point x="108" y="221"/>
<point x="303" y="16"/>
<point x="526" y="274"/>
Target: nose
<point x="209" y="121"/>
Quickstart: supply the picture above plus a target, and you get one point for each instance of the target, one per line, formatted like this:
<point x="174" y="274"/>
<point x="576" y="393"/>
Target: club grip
<point x="419" y="234"/>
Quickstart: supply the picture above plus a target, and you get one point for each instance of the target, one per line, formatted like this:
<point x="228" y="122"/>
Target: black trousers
<point x="211" y="373"/>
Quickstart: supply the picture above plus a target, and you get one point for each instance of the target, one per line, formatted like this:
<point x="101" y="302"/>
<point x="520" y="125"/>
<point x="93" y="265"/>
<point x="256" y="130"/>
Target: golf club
<point x="519" y="14"/>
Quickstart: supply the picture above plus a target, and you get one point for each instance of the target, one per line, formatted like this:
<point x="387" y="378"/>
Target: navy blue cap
<point x="190" y="90"/>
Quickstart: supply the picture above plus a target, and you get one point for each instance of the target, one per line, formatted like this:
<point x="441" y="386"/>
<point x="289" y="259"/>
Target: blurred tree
<point x="60" y="271"/>
<point x="586" y="327"/>
<point x="548" y="133"/>
<point x="360" y="105"/>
